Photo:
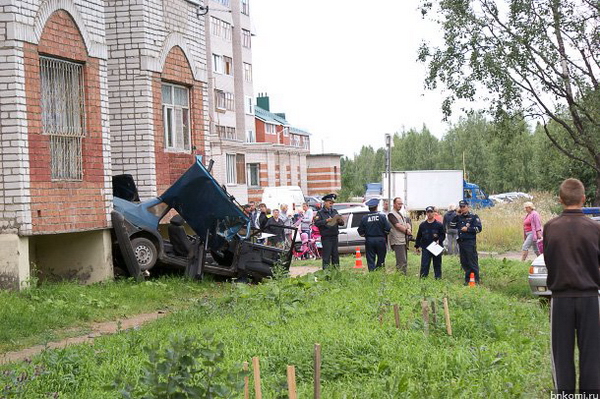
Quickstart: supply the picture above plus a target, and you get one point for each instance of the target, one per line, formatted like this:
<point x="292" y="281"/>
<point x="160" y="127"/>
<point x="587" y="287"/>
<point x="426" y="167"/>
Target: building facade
<point x="94" y="88"/>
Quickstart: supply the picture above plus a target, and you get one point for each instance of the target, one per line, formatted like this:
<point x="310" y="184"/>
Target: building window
<point x="249" y="106"/>
<point x="253" y="175"/>
<point x="217" y="63"/>
<point x="221" y="28"/>
<point x="286" y="131"/>
<point x="63" y="116"/>
<point x="246" y="38"/>
<point x="247" y="72"/>
<point x="226" y="132"/>
<point x="240" y="168"/>
<point x="235" y="168"/>
<point x="176" y="117"/>
<point x="250" y="136"/>
<point x="230" y="166"/>
<point x="224" y="100"/>
<point x="270" y="128"/>
<point x="306" y="143"/>
<point x="245" y="7"/>
<point x="224" y="2"/>
<point x="228" y="65"/>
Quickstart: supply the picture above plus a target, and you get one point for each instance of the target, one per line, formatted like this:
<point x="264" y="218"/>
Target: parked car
<point x="217" y="241"/>
<point x="349" y="238"/>
<point x="510" y="197"/>
<point x="343" y="205"/>
<point x="538" y="273"/>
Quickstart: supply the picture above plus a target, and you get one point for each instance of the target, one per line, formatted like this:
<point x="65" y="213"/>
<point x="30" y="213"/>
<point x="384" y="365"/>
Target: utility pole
<point x="388" y="167"/>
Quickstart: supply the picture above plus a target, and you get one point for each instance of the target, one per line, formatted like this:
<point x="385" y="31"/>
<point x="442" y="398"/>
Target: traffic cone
<point x="358" y="262"/>
<point x="472" y="280"/>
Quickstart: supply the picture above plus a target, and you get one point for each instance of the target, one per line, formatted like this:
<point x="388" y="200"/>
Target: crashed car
<point x="218" y="239"/>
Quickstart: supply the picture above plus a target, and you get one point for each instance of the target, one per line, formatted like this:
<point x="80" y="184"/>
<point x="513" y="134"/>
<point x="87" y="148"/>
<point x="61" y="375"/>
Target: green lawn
<point x="499" y="347"/>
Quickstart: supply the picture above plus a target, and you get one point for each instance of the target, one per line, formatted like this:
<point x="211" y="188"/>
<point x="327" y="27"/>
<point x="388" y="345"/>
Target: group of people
<point x="277" y="223"/>
<point x="395" y="230"/>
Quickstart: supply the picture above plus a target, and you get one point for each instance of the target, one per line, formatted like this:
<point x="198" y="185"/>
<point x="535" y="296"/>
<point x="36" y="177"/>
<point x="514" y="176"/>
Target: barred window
<point x="176" y="117"/>
<point x="63" y="116"/>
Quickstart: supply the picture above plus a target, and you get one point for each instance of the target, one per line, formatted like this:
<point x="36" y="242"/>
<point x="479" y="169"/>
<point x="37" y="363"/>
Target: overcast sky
<point x="344" y="70"/>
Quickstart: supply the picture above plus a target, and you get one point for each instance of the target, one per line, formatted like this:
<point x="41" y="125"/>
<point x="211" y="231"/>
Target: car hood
<point x="204" y="204"/>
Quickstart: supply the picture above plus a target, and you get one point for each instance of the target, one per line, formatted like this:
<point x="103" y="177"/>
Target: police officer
<point x="375" y="227"/>
<point x="328" y="222"/>
<point x="468" y="225"/>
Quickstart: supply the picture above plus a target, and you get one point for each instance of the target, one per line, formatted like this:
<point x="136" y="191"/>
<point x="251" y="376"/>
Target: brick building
<point x="323" y="174"/>
<point x="94" y="88"/>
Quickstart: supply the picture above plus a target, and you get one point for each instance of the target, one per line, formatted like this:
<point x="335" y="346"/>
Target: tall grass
<point x="503" y="223"/>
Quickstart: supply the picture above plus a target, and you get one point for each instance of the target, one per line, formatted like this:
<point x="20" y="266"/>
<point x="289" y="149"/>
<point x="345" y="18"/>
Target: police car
<point x="538" y="273"/>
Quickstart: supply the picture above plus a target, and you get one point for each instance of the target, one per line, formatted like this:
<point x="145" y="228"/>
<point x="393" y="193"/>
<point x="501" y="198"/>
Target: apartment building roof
<point x="269" y="117"/>
<point x="277" y="119"/>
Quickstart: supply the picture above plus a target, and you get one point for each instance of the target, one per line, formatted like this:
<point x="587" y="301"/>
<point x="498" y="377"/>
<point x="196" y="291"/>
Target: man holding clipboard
<point x="328" y="222"/>
<point x="429" y="237"/>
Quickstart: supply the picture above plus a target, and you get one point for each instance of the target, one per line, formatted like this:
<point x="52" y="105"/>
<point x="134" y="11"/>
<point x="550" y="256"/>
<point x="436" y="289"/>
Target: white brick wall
<point x="140" y="34"/>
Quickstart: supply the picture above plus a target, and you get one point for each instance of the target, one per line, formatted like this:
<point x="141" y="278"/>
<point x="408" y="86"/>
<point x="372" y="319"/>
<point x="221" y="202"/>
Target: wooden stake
<point x="317" y="376"/>
<point x="425" y="309"/>
<point x="291" y="380"/>
<point x="447" y="315"/>
<point x="397" y="315"/>
<point x="246" y="383"/>
<point x="381" y="316"/>
<point x="256" y="368"/>
<point x="433" y="312"/>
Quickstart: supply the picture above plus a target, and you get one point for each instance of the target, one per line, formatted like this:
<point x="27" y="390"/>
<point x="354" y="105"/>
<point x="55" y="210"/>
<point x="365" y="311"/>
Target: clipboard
<point x="435" y="248"/>
<point x="334" y="220"/>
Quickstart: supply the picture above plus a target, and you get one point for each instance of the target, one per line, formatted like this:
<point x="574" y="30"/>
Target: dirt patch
<point x="98" y="329"/>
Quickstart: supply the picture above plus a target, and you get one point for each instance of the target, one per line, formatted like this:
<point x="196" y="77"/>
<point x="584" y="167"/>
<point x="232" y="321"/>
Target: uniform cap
<point x="372" y="202"/>
<point x="429" y="209"/>
<point x="463" y="203"/>
<point x="329" y="197"/>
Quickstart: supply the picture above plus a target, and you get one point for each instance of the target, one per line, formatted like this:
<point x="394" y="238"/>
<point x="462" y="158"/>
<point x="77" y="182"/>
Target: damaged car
<point x="207" y="232"/>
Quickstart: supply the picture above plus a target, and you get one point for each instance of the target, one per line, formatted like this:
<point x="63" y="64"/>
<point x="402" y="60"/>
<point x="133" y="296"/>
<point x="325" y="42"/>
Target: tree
<point x="538" y="58"/>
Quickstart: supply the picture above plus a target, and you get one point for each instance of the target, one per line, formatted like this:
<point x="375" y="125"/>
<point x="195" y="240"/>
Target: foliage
<point x="497" y="329"/>
<point x="188" y="367"/>
<point x="499" y="156"/>
<point x="530" y="58"/>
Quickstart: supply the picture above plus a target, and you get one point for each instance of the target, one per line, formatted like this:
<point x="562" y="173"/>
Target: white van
<point x="273" y="197"/>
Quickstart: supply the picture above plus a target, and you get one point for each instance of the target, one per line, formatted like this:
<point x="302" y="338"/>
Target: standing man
<point x="430" y="231"/>
<point x="375" y="227"/>
<point x="398" y="234"/>
<point x="306" y="220"/>
<point x="468" y="225"/>
<point x="328" y="222"/>
<point x="262" y="216"/>
<point x="572" y="255"/>
<point x="451" y="234"/>
<point x="253" y="215"/>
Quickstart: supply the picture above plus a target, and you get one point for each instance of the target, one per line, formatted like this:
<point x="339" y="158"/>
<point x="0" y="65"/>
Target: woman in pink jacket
<point x="532" y="230"/>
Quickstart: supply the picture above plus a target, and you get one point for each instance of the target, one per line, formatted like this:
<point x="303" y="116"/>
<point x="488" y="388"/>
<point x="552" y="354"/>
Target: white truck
<point x="422" y="188"/>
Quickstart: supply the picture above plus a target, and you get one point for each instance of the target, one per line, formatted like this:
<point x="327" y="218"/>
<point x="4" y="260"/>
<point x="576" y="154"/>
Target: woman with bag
<point x="532" y="231"/>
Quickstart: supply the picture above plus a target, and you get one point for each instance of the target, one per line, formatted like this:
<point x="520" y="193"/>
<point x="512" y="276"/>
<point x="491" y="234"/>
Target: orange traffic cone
<point x="358" y="263"/>
<point x="472" y="280"/>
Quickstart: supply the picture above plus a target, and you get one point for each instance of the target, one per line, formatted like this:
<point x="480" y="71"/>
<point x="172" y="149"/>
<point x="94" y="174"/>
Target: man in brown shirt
<point x="572" y="256"/>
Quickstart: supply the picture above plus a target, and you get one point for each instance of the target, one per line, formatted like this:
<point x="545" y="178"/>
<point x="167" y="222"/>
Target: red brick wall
<point x="62" y="206"/>
<point x="261" y="133"/>
<point x="170" y="165"/>
<point x="255" y="194"/>
<point x="323" y="180"/>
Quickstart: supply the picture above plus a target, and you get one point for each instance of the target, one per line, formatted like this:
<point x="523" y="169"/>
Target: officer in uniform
<point x="328" y="222"/>
<point x="375" y="227"/>
<point x="468" y="225"/>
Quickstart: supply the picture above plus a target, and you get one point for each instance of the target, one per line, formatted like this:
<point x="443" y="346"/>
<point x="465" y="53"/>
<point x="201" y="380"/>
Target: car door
<point x="343" y="236"/>
<point x="354" y="239"/>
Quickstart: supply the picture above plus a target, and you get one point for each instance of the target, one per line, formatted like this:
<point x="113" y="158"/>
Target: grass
<point x="43" y="314"/>
<point x="499" y="347"/>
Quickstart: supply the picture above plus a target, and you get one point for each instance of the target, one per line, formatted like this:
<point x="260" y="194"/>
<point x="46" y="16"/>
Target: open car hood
<point x="204" y="204"/>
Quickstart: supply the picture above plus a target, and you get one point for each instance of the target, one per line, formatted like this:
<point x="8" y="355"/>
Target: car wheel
<point x="145" y="252"/>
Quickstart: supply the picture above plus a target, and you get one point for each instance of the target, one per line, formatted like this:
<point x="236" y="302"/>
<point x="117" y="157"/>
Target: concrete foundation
<point x="14" y="261"/>
<point x="85" y="256"/>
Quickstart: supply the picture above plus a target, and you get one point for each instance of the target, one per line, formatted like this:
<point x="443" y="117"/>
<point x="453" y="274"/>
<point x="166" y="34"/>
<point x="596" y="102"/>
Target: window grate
<point x="63" y="115"/>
